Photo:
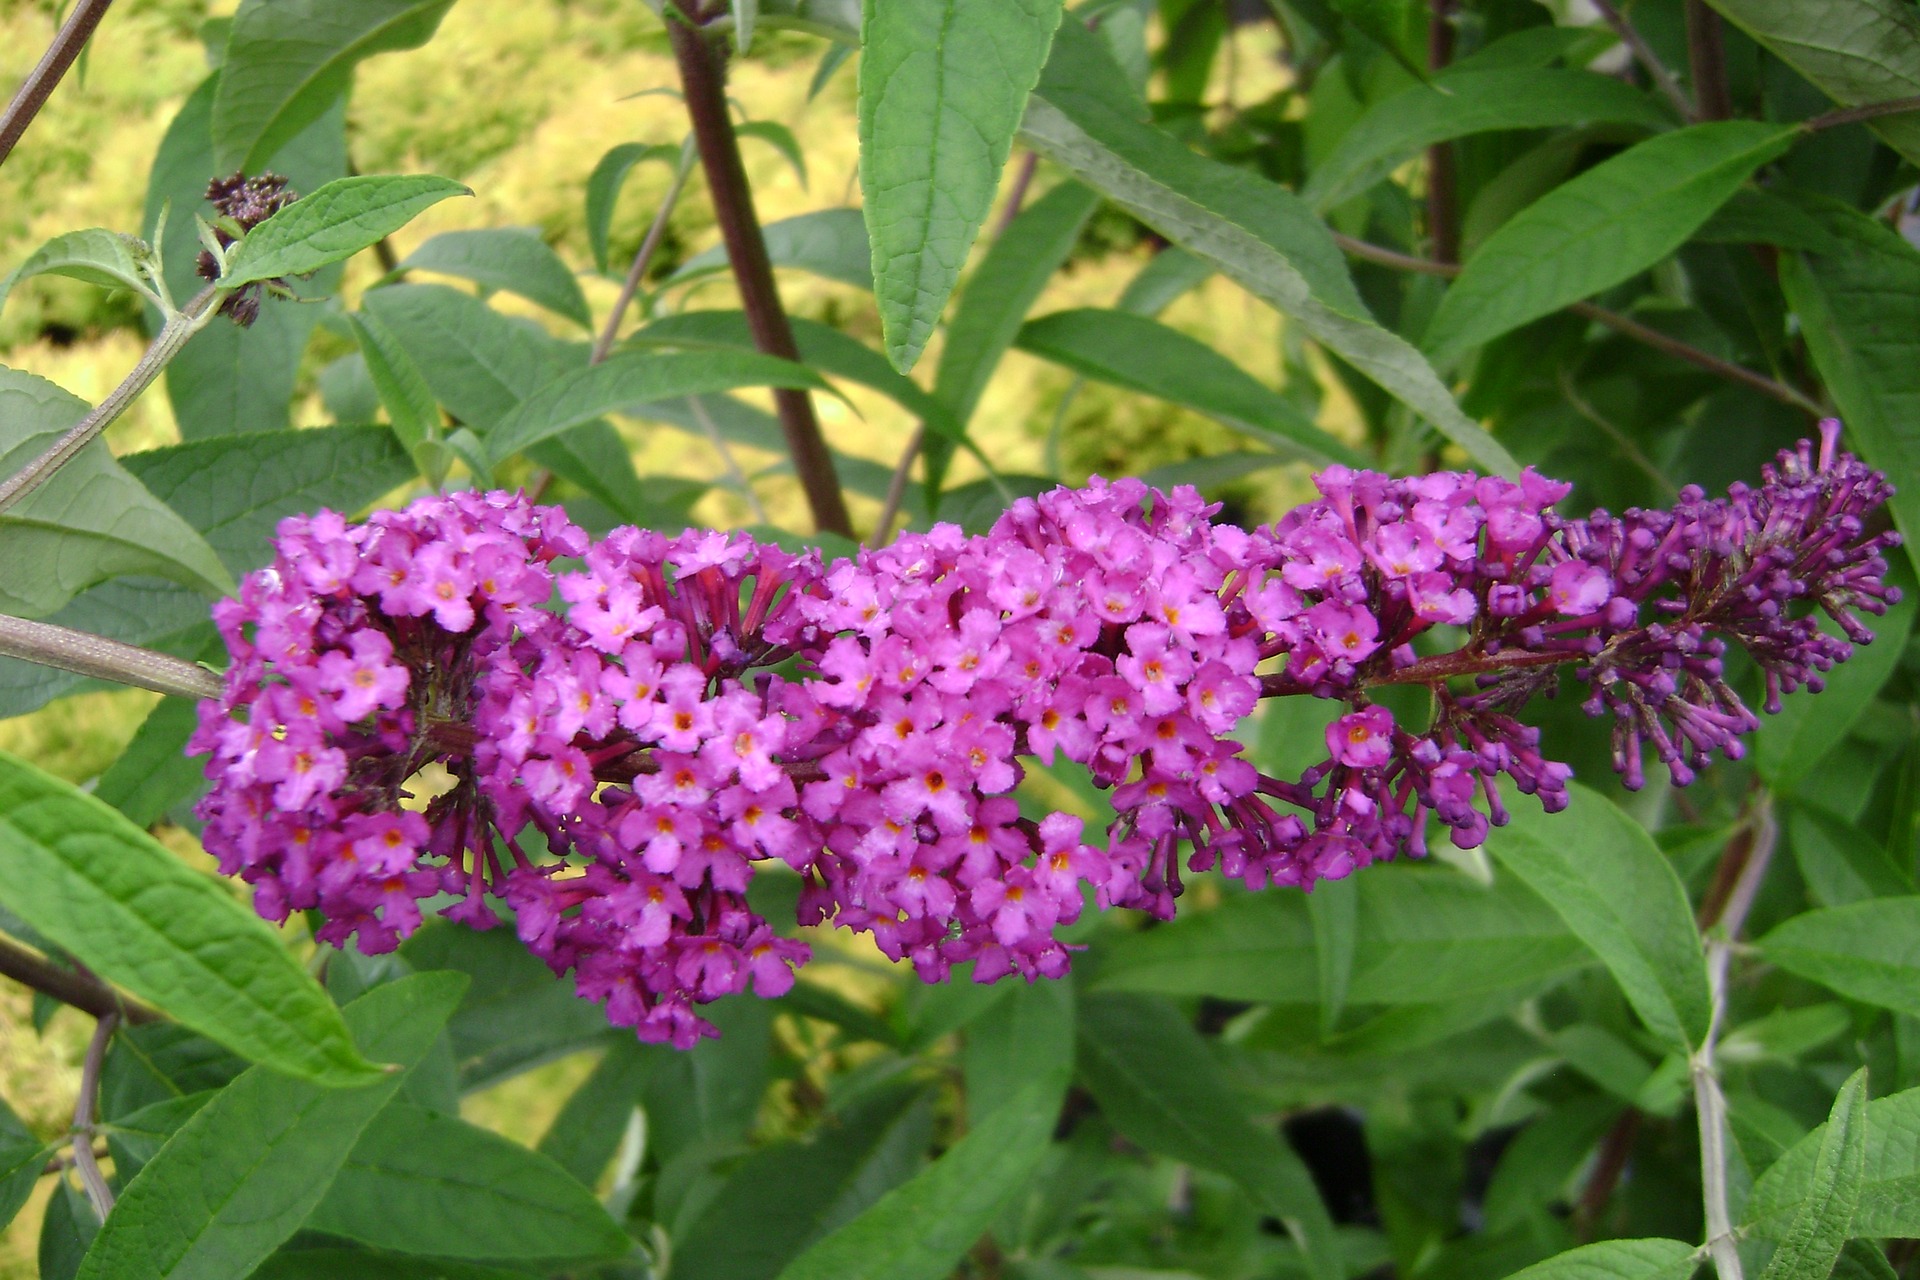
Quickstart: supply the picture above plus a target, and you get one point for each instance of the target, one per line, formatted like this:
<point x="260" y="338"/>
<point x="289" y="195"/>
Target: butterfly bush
<point x="427" y="706"/>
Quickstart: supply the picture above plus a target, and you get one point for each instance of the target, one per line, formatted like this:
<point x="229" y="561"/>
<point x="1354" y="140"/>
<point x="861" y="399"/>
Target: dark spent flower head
<point x="248" y="202"/>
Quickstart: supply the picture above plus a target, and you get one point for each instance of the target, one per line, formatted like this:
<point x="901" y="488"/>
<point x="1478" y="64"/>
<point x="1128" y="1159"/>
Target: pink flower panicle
<point x="707" y="703"/>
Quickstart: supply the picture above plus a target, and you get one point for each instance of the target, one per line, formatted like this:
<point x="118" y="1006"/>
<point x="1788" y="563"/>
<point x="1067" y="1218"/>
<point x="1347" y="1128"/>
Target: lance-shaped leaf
<point x="105" y="258"/>
<point x="155" y="772"/>
<point x="335" y="222"/>
<point x="634" y="377"/>
<point x="1653" y="1259"/>
<point x="1257" y="233"/>
<point x="510" y="260"/>
<point x="604" y="183"/>
<point x="830" y="243"/>
<point x="1858" y="51"/>
<point x="1889" y="1188"/>
<point x="243" y="1174"/>
<point x="1821" y="1229"/>
<point x="287" y="61"/>
<point x="403" y="392"/>
<point x="1603" y="873"/>
<point x="942" y="87"/>
<point x="1869" y="951"/>
<point x="103" y="889"/>
<point x="1025" y="1036"/>
<point x="91" y="520"/>
<point x="1141" y="354"/>
<point x="1604" y="226"/>
<point x="1464" y="103"/>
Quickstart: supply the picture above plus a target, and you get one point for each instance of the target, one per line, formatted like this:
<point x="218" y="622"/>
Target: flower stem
<point x="644" y="258"/>
<point x="1707" y="62"/>
<point x="41" y="81"/>
<point x="83" y="1158"/>
<point x="1869" y="111"/>
<point x="1643" y="54"/>
<point x="72" y="987"/>
<point x="180" y="326"/>
<point x="103" y="659"/>
<point x="703" y="84"/>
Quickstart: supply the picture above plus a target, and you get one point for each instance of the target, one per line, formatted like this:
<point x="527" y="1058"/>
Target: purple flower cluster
<point x="615" y="770"/>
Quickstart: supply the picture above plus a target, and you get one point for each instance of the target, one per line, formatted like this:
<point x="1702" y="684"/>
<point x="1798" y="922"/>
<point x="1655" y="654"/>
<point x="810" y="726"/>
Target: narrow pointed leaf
<point x="942" y="87"/>
<point x="1821" y="1228"/>
<point x="507" y="259"/>
<point x="105" y="258"/>
<point x="1889" y="1193"/>
<point x="1868" y="951"/>
<point x="1653" y="1259"/>
<point x="604" y="183"/>
<point x="335" y="222"/>
<point x="830" y="243"/>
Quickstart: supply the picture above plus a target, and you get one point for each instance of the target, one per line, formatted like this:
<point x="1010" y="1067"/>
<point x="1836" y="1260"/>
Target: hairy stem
<point x="180" y="326"/>
<point x="1626" y="326"/>
<point x="1644" y="55"/>
<point x="1707" y="63"/>
<point x="72" y="987"/>
<point x="1443" y="198"/>
<point x="83" y="1158"/>
<point x="1870" y="111"/>
<point x="102" y="659"/>
<point x="649" y="245"/>
<point x="40" y="82"/>
<point x="703" y="84"/>
<point x="1022" y="180"/>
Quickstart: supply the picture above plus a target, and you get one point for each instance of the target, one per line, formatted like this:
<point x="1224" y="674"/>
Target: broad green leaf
<point x="1604" y="226"/>
<point x="22" y="1156"/>
<point x="287" y="61"/>
<point x="1841" y="863"/>
<point x="335" y="222"/>
<point x="921" y="1229"/>
<point x="830" y="243"/>
<point x="155" y="772"/>
<point x="795" y="1193"/>
<point x="359" y="1264"/>
<point x="1026" y="1036"/>
<point x="508" y="259"/>
<point x="1822" y="1227"/>
<point x="588" y="1130"/>
<point x="243" y="1174"/>
<point x="1809" y="725"/>
<point x="1160" y="1085"/>
<point x="1859" y="310"/>
<point x="1334" y="912"/>
<point x="1424" y="933"/>
<point x="1385" y="23"/>
<point x="236" y="489"/>
<point x="403" y="391"/>
<point x="1462" y="103"/>
<point x="69" y="1227"/>
<point x="634" y="377"/>
<point x="710" y="1094"/>
<point x="1003" y="288"/>
<point x="1868" y="951"/>
<point x="1889" y="1202"/>
<point x="1653" y="1259"/>
<point x="421" y="1182"/>
<point x="135" y="1139"/>
<point x="603" y="187"/>
<point x="1141" y="354"/>
<point x="942" y="87"/>
<point x="1608" y="880"/>
<point x="1539" y="1163"/>
<point x="105" y="258"/>
<point x="1255" y="232"/>
<point x="1857" y="51"/>
<point x="91" y="520"/>
<point x="102" y="889"/>
<point x="231" y="380"/>
<point x="781" y="139"/>
<point x="1757" y="216"/>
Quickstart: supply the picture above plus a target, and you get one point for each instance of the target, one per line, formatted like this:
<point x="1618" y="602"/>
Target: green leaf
<point x="1608" y="880"/>
<point x="105" y="258"/>
<point x="421" y="1182"/>
<point x="1821" y="1228"/>
<point x="1857" y="51"/>
<point x="1841" y="863"/>
<point x="1653" y="1259"/>
<point x="1385" y="23"/>
<point x="335" y="222"/>
<point x="1003" y="288"/>
<point x="1809" y="725"/>
<point x="1255" y="232"/>
<point x="1171" y="273"/>
<point x="921" y="1229"/>
<point x="1156" y="1080"/>
<point x="1889" y="1200"/>
<point x="1141" y="354"/>
<point x="103" y="890"/>
<point x="633" y="377"/>
<point x="155" y="772"/>
<point x="22" y="1156"/>
<point x="143" y="611"/>
<point x="709" y="1095"/>
<point x="1025" y="1036"/>
<point x="1539" y="1163"/>
<point x="287" y="61"/>
<point x="1334" y="912"/>
<point x="837" y="20"/>
<point x="359" y="1264"/>
<point x="795" y="1193"/>
<point x="603" y="187"/>
<point x="943" y="84"/>
<point x="1462" y="103"/>
<point x="1606" y="225"/>
<point x="135" y="1139"/>
<point x="830" y="243"/>
<point x="404" y="394"/>
<point x="91" y="520"/>
<point x="1868" y="951"/>
<point x="781" y="139"/>
<point x="745" y="14"/>
<point x="1859" y="310"/>
<point x="247" y="1169"/>
<point x="236" y="489"/>
<point x="509" y="259"/>
<point x="587" y="1132"/>
<point x="1424" y="933"/>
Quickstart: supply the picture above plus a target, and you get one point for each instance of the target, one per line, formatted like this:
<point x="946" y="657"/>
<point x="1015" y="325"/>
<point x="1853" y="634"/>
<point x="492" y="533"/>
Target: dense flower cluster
<point x="705" y="703"/>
